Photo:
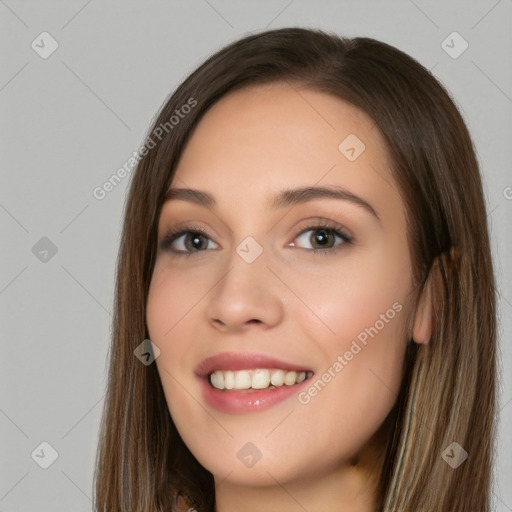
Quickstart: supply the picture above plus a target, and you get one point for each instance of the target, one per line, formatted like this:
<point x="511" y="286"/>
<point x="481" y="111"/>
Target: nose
<point x="247" y="294"/>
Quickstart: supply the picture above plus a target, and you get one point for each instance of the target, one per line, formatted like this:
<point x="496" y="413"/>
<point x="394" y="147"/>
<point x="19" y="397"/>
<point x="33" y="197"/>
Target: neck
<point x="345" y="489"/>
<point x="351" y="486"/>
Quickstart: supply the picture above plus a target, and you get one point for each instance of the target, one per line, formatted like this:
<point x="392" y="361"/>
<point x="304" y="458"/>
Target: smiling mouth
<point x="256" y="379"/>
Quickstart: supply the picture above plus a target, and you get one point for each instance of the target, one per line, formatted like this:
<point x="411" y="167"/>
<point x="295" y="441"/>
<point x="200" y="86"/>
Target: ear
<point x="423" y="317"/>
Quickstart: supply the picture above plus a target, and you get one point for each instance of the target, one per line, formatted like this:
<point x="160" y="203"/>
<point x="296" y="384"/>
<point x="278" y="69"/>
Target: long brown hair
<point x="448" y="392"/>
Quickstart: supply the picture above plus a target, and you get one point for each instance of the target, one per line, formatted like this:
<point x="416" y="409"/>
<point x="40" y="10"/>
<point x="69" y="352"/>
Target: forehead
<point x="263" y="138"/>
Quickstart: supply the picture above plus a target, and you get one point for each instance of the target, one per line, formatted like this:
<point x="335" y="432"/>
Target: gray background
<point x="69" y="121"/>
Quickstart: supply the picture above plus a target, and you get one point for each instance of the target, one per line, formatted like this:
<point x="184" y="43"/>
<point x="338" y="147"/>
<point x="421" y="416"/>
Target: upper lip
<point x="243" y="361"/>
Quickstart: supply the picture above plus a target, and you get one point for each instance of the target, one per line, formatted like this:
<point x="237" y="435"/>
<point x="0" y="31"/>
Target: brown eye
<point x="187" y="241"/>
<point x="320" y="237"/>
<point x="196" y="241"/>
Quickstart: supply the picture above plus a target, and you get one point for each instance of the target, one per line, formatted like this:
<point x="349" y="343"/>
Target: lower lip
<point x="233" y="402"/>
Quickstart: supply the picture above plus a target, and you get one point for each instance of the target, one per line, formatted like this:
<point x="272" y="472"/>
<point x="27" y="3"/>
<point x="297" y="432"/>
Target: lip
<point x="244" y="401"/>
<point x="248" y="361"/>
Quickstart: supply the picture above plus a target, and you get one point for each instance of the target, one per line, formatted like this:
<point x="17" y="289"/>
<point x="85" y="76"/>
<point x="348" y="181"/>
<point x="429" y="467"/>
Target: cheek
<point x="174" y="297"/>
<point x="363" y="291"/>
<point x="170" y="308"/>
<point x="361" y="337"/>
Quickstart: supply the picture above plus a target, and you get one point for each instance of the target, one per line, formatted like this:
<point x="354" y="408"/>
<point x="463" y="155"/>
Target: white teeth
<point x="242" y="380"/>
<point x="277" y="378"/>
<point x="217" y="379"/>
<point x="260" y="378"/>
<point x="290" y="378"/>
<point x="229" y="380"/>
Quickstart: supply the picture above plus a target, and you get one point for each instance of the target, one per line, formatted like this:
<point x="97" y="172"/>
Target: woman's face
<point x="303" y="273"/>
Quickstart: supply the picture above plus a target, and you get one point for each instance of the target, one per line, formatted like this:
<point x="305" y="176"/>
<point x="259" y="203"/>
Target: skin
<point x="290" y="303"/>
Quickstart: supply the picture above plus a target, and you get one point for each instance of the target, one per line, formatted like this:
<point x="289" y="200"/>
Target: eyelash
<point x="332" y="227"/>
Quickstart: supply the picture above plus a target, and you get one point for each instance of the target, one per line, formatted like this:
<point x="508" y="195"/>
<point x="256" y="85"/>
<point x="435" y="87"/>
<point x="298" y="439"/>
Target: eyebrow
<point x="285" y="198"/>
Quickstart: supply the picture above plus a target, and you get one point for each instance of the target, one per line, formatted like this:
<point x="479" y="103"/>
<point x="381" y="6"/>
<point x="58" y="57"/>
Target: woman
<point x="305" y="245"/>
